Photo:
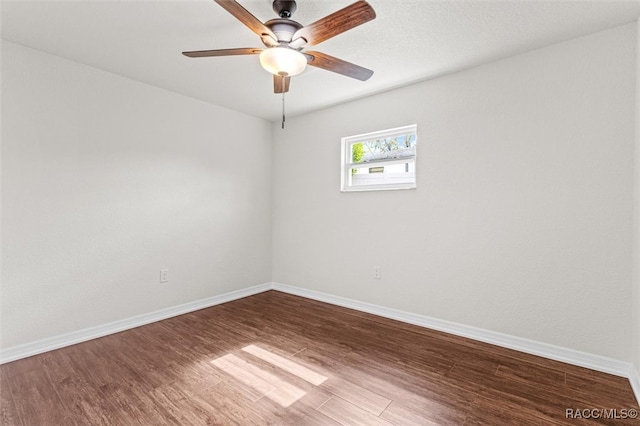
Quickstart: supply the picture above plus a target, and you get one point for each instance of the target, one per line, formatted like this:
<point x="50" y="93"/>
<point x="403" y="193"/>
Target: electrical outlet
<point x="377" y="272"/>
<point x="164" y="275"/>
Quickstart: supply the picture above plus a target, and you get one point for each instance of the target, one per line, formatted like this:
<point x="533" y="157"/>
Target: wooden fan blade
<point x="324" y="61"/>
<point x="222" y="52"/>
<point x="244" y="16"/>
<point x="338" y="22"/>
<point x="281" y="85"/>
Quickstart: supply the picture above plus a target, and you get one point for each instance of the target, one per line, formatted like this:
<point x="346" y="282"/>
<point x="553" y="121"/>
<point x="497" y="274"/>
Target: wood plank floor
<point x="278" y="359"/>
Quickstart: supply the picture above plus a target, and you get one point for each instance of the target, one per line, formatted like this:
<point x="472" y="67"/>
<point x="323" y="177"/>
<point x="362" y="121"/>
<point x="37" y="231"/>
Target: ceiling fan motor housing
<point x="284" y="29"/>
<point x="284" y="8"/>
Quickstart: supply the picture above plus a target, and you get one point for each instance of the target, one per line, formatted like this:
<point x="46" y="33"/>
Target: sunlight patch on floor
<point x="286" y="364"/>
<point x="269" y="385"/>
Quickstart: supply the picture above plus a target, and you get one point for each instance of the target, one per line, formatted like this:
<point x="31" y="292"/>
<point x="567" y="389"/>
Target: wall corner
<point x="636" y="232"/>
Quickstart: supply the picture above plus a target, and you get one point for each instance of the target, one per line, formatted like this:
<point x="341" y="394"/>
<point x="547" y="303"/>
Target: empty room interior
<point x="404" y="212"/>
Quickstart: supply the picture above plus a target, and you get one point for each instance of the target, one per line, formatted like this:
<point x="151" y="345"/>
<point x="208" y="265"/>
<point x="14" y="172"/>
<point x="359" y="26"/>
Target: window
<point x="380" y="160"/>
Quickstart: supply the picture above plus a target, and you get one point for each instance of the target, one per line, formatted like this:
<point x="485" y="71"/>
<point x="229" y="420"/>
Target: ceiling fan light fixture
<point x="283" y="61"/>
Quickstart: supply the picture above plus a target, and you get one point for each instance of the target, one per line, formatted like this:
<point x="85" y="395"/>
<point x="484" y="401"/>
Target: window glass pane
<point x="399" y="146"/>
<point x="382" y="174"/>
<point x="380" y="160"/>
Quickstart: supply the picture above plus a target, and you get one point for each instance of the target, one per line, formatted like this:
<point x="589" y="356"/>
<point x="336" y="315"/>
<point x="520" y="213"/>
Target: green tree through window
<point x="357" y="154"/>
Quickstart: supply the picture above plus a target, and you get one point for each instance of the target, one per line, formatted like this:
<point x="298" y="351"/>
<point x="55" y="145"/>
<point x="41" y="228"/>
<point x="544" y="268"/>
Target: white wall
<point x="636" y="223"/>
<point x="105" y="181"/>
<point x="522" y="219"/>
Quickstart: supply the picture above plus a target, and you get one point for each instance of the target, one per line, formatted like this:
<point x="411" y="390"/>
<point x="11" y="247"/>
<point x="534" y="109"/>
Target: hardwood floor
<point x="278" y="359"/>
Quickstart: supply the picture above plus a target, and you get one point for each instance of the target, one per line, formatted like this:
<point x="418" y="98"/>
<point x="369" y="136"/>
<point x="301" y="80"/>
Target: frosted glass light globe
<point x="283" y="61"/>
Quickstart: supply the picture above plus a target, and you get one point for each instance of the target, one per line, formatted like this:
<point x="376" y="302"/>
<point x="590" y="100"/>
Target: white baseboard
<point x="570" y="356"/>
<point x="634" y="379"/>
<point x="60" y="341"/>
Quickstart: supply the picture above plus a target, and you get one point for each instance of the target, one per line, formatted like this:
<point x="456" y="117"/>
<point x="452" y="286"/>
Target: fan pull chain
<point x="283" y="90"/>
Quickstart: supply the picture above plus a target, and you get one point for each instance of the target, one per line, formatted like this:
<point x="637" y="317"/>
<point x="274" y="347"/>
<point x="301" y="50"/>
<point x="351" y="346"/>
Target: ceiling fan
<point x="285" y="40"/>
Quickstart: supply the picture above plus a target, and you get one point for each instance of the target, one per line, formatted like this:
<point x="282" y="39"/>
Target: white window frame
<point x="347" y="164"/>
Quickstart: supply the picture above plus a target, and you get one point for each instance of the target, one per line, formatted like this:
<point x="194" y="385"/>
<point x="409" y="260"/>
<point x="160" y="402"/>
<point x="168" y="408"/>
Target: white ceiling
<point x="410" y="40"/>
